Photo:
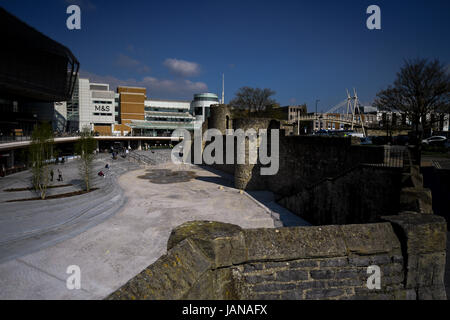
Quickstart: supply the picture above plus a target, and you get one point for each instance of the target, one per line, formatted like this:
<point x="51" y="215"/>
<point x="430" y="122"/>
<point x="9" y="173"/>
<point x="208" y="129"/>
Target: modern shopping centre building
<point x="39" y="82"/>
<point x="130" y="112"/>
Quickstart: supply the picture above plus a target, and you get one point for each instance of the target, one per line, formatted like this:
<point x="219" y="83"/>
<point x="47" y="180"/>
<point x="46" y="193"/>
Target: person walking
<point x="60" y="177"/>
<point x="51" y="175"/>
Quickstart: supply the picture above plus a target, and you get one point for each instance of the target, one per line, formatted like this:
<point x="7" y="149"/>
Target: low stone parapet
<point x="212" y="260"/>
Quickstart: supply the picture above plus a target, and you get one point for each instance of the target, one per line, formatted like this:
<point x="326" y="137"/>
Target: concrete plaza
<point x="110" y="248"/>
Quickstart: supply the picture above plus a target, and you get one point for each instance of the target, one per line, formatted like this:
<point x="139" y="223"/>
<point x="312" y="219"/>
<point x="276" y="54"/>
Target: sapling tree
<point x="41" y="154"/>
<point x="85" y="148"/>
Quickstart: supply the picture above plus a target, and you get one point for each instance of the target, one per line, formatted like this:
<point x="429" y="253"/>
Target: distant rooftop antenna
<point x="223" y="88"/>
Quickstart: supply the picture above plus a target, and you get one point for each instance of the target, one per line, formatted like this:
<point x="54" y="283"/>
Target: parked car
<point x="401" y="140"/>
<point x="435" y="140"/>
<point x="380" y="140"/>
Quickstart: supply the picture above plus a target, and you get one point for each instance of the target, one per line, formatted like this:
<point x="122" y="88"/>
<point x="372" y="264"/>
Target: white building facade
<point x="201" y="104"/>
<point x="92" y="105"/>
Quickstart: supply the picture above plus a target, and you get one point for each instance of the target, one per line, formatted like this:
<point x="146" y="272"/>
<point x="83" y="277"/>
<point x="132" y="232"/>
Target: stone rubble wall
<point x="212" y="260"/>
<point x="360" y="195"/>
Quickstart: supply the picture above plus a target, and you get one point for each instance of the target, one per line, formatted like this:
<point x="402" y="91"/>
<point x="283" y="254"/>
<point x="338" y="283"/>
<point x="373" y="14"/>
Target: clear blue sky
<point x="304" y="50"/>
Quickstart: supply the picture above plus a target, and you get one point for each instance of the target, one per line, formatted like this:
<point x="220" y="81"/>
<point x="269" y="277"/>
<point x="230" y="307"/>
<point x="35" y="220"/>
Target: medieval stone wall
<point x="220" y="118"/>
<point x="212" y="260"/>
<point x="360" y="195"/>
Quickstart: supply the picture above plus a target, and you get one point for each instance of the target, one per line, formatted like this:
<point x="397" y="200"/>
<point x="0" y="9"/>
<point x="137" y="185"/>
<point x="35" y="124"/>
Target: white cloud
<point x="182" y="67"/>
<point x="156" y="88"/>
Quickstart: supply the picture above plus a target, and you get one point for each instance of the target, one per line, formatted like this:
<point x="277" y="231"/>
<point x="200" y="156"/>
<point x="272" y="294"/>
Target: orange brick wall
<point x="131" y="105"/>
<point x="103" y="130"/>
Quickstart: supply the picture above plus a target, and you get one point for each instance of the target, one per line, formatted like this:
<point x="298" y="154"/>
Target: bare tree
<point x="253" y="99"/>
<point x="421" y="88"/>
<point x="41" y="153"/>
<point x="85" y="148"/>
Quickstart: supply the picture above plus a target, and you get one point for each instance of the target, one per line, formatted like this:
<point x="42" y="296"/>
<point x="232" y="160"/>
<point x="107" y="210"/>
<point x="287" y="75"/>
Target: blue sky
<point x="303" y="50"/>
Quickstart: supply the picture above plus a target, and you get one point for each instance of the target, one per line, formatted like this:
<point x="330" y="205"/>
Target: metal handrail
<point x="141" y="158"/>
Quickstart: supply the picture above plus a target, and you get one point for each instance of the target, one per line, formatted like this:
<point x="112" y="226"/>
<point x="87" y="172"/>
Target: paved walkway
<point x="28" y="226"/>
<point x="112" y="252"/>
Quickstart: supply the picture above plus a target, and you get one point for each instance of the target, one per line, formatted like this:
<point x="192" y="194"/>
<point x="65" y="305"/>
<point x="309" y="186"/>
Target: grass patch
<point x="31" y="188"/>
<point x="56" y="196"/>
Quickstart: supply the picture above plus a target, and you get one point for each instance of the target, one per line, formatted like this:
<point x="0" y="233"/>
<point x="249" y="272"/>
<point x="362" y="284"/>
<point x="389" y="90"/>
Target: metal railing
<point x="140" y="158"/>
<point x="9" y="139"/>
<point x="394" y="157"/>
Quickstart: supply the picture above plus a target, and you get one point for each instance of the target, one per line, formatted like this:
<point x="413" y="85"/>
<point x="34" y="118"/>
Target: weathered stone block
<point x="424" y="238"/>
<point x="345" y="283"/>
<point x="324" y="294"/>
<point x="309" y="263"/>
<point x="374" y="238"/>
<point x="357" y="261"/>
<point x="264" y="296"/>
<point x="252" y="279"/>
<point x="431" y="293"/>
<point x="277" y="265"/>
<point x="416" y="199"/>
<point x="426" y="270"/>
<point x="273" y="286"/>
<point x="170" y="277"/>
<point x="424" y="233"/>
<point x="223" y="243"/>
<point x="392" y="269"/>
<point x="291" y="295"/>
<point x="322" y="274"/>
<point x="334" y="262"/>
<point x="350" y="273"/>
<point x="392" y="280"/>
<point x="291" y="275"/>
<point x="294" y="243"/>
<point x="313" y="284"/>
<point x="214" y="285"/>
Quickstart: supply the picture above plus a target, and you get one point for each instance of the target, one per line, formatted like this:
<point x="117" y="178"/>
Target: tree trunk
<point x="418" y="144"/>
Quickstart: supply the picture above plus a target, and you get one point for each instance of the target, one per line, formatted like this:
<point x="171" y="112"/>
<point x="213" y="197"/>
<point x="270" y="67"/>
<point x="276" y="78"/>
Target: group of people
<point x="124" y="152"/>
<point x="60" y="176"/>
